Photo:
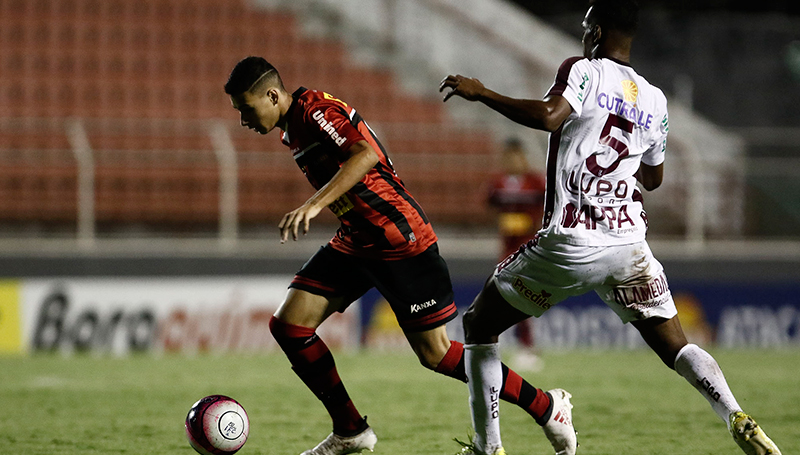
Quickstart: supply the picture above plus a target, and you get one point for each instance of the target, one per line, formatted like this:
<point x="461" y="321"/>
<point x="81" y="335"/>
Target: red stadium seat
<point x="168" y="60"/>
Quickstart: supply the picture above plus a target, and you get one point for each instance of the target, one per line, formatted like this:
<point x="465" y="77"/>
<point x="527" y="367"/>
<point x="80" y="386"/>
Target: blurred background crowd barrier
<point x="120" y="154"/>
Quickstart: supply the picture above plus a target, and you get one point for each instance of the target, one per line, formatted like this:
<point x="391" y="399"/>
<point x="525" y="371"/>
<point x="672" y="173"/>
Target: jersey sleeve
<point x="656" y="154"/>
<point x="333" y="124"/>
<point x="573" y="81"/>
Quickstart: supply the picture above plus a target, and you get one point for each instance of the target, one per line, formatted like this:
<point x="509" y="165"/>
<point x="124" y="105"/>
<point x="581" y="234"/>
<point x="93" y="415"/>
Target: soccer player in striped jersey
<point x="608" y="130"/>
<point x="385" y="241"/>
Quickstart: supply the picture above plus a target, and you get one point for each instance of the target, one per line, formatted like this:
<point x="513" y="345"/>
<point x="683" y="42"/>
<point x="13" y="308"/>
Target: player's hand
<point x="292" y="221"/>
<point x="466" y="87"/>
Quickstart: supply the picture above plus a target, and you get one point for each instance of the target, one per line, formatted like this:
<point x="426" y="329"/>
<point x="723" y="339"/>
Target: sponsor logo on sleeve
<point x="584" y="80"/>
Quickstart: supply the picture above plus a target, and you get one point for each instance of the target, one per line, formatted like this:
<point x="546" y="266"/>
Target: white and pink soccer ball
<point x="217" y="425"/>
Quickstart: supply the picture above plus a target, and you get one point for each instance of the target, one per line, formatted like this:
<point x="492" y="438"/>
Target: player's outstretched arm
<point x="546" y="114"/>
<point x="362" y="157"/>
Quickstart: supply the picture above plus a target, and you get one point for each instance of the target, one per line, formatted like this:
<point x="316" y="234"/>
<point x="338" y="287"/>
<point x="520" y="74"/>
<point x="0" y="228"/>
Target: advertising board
<point x="183" y="315"/>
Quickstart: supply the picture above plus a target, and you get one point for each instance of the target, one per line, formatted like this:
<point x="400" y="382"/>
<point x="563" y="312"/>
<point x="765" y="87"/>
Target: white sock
<point x="702" y="371"/>
<point x="485" y="380"/>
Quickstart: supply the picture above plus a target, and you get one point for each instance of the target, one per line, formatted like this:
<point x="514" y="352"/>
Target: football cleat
<point x="750" y="437"/>
<point x="559" y="429"/>
<point x="474" y="451"/>
<point x="469" y="448"/>
<point x="340" y="445"/>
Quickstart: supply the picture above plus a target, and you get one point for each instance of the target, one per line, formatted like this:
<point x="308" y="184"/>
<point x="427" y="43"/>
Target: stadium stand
<point x="145" y="77"/>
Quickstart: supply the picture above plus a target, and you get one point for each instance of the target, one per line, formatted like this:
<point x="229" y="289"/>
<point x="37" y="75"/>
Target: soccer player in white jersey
<point x="608" y="130"/>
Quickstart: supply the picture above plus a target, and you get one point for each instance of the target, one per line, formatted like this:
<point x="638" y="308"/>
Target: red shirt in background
<point x="520" y="200"/>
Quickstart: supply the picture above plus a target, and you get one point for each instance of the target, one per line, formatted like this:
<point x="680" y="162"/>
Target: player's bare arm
<point x="650" y="176"/>
<point x="361" y="159"/>
<point x="547" y="114"/>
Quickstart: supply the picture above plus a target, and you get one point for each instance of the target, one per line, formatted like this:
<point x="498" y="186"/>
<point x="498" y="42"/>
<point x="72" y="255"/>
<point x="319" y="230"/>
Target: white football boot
<point x="750" y="437"/>
<point x="559" y="429"/>
<point x="469" y="448"/>
<point x="340" y="445"/>
<point x="474" y="451"/>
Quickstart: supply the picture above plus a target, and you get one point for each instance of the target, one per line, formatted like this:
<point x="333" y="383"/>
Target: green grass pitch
<point x="625" y="402"/>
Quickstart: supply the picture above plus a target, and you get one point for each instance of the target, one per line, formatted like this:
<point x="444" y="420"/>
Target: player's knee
<point x="275" y="326"/>
<point x="473" y="331"/>
<point x="468" y="320"/>
<point x="278" y="330"/>
<point x="289" y="337"/>
<point x="429" y="354"/>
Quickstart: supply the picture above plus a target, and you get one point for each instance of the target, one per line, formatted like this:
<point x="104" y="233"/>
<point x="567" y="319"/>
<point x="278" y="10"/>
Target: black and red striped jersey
<point x="380" y="218"/>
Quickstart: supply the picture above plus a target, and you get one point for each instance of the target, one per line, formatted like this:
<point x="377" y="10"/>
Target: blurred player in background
<point x="385" y="241"/>
<point x="517" y="193"/>
<point x="608" y="130"/>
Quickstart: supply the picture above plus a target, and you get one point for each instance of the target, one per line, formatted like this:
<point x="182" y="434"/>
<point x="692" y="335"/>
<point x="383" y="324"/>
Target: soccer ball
<point x="217" y="425"/>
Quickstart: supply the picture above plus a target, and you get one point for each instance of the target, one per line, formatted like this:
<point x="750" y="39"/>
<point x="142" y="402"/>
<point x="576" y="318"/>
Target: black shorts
<point x="418" y="288"/>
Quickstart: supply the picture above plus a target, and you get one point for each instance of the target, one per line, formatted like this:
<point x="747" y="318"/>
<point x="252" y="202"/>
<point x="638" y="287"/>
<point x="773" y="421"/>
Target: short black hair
<point x="620" y="15"/>
<point x="248" y="72"/>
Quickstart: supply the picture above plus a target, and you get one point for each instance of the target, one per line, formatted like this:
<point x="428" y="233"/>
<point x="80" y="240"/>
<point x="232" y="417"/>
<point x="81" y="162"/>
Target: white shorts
<point x="627" y="277"/>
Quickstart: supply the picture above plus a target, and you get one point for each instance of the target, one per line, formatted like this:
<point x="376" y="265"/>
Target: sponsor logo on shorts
<point x="651" y="294"/>
<point x="541" y="299"/>
<point x="421" y="306"/>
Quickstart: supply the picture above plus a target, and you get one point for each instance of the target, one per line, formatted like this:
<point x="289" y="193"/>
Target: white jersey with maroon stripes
<point x="618" y="120"/>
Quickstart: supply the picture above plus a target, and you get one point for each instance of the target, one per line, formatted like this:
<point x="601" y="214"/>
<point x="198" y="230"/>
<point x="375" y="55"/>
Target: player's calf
<point x="313" y="363"/>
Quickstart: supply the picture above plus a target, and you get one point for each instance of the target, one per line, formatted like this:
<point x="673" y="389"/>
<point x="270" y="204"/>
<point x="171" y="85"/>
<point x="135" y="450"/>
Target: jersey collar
<point x="297" y="94"/>
<point x="619" y="62"/>
<point x="289" y="112"/>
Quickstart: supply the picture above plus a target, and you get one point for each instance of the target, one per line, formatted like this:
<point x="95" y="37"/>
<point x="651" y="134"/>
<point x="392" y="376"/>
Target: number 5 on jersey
<point x="614" y="121"/>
